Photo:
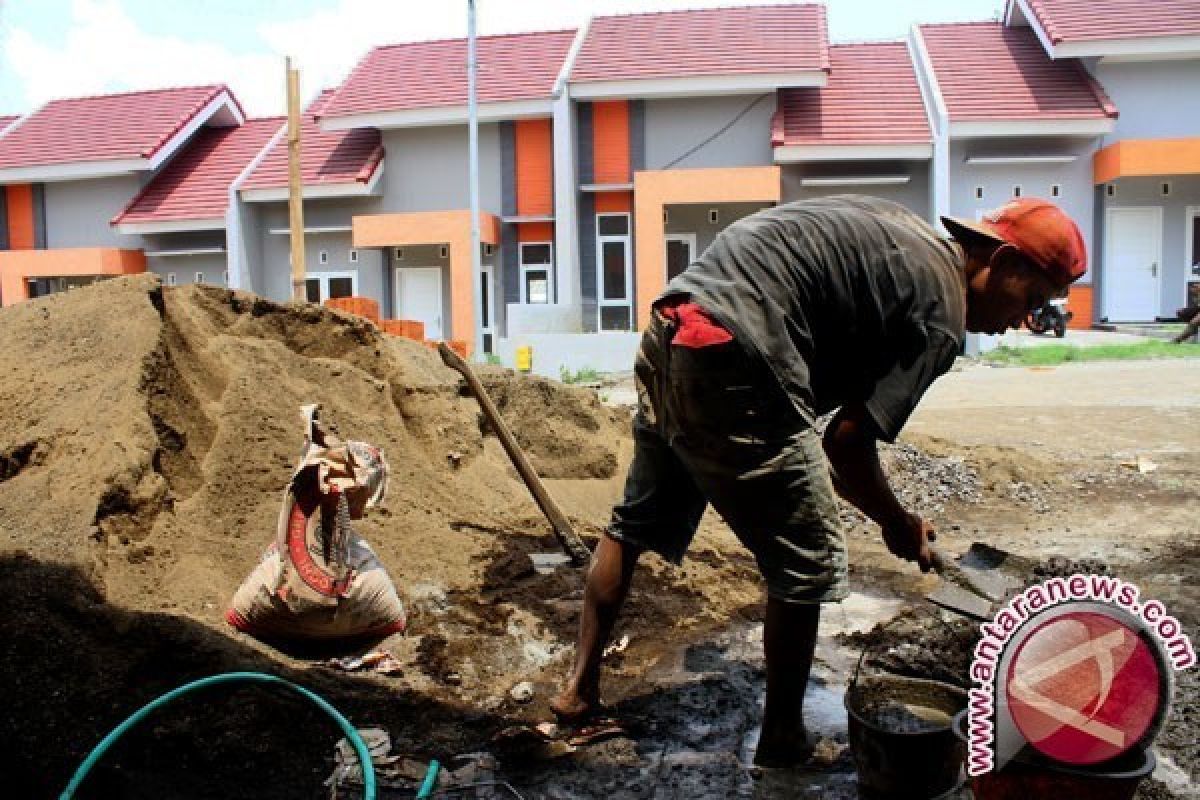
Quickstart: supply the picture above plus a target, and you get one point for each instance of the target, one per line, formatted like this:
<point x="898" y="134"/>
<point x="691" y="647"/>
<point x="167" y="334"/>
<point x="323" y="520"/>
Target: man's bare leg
<point x="789" y="639"/>
<point x="608" y="580"/>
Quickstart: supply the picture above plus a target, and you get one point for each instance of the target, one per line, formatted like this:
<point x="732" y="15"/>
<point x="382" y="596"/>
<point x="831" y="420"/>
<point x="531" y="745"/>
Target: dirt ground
<point x="142" y="455"/>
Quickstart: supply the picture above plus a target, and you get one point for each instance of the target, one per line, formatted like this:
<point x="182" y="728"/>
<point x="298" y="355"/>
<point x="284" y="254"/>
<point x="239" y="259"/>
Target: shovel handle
<point x="568" y="539"/>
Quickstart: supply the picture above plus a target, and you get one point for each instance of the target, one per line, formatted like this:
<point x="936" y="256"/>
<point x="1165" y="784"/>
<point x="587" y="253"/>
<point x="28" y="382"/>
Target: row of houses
<point x="611" y="155"/>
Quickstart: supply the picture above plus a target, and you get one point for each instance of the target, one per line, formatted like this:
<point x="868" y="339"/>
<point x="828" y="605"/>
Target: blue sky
<point x="62" y="48"/>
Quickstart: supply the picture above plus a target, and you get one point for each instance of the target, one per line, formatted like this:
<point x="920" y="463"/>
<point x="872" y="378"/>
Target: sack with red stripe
<point x="319" y="579"/>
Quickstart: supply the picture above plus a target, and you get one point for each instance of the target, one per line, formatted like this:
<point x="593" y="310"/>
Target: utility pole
<point x="473" y="171"/>
<point x="295" y="187"/>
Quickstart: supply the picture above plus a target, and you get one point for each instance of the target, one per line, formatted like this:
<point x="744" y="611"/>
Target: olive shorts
<point x="713" y="428"/>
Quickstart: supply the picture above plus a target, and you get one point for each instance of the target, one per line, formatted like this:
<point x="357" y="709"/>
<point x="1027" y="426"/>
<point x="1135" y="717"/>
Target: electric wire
<point x="720" y="131"/>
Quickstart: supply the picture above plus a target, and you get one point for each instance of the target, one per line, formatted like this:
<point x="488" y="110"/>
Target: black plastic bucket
<point x="1028" y="776"/>
<point x="901" y="737"/>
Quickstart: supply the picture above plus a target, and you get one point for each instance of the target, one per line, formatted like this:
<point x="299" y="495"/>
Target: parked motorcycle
<point x="1053" y="316"/>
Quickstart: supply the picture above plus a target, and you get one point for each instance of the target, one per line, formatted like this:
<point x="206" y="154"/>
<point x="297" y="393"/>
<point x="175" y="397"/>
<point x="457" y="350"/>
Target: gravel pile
<point x="924" y="483"/>
<point x="1027" y="494"/>
<point x="1063" y="567"/>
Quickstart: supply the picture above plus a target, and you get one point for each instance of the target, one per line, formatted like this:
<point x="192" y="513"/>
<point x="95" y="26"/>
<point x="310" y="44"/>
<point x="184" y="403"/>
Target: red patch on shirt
<point x="695" y="328"/>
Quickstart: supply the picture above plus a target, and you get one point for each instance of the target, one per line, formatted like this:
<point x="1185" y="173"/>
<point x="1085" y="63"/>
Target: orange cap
<point x="1038" y="229"/>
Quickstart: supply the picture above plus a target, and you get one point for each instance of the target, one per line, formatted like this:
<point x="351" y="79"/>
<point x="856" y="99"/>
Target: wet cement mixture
<point x="146" y="435"/>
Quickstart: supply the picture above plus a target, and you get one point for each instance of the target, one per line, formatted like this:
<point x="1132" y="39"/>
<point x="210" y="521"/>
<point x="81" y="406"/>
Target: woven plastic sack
<point x="319" y="579"/>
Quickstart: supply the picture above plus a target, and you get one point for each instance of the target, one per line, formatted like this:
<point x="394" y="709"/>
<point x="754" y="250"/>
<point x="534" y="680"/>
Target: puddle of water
<point x="824" y="699"/>
<point x="858" y="613"/>
<point x="704" y="716"/>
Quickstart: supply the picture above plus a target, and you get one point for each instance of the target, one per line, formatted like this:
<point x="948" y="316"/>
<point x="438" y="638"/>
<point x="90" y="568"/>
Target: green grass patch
<point x="582" y="375"/>
<point x="1049" y="355"/>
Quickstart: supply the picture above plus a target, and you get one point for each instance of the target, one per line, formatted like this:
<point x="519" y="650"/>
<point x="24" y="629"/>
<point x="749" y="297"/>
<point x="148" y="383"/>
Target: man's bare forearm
<point x="850" y="445"/>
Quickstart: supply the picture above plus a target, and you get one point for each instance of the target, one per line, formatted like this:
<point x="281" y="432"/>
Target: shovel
<point x="979" y="582"/>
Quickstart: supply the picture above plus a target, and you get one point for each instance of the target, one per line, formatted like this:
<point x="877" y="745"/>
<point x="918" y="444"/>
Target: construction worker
<point x="847" y="303"/>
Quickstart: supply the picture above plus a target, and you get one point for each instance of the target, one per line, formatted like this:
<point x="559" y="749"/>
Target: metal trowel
<point x="978" y="582"/>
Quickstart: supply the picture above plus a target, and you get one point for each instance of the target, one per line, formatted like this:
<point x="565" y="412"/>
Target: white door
<point x="681" y="251"/>
<point x="1132" y="264"/>
<point x="419" y="297"/>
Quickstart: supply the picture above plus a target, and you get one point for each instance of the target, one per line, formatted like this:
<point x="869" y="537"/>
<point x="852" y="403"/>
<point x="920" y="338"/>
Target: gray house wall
<point x="427" y="169"/>
<point x="1156" y="99"/>
<point x="1147" y="192"/>
<point x="1035" y="180"/>
<point x="253" y="247"/>
<point x="587" y="260"/>
<point x="913" y="195"/>
<point x="184" y="268"/>
<point x="212" y="266"/>
<point x="274" y="277"/>
<point x="78" y="212"/>
<point x="676" y="125"/>
<point x="586" y="224"/>
<point x="693" y="218"/>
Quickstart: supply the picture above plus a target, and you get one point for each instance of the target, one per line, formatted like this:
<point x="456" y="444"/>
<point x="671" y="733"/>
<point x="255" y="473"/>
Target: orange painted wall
<point x="535" y="167"/>
<point x="655" y="189"/>
<point x="19" y="199"/>
<point x="1079" y="303"/>
<point x="18" y="265"/>
<point x="1146" y="157"/>
<point x="612" y="202"/>
<point x="610" y="142"/>
<point x="452" y="228"/>
<point x="535" y="232"/>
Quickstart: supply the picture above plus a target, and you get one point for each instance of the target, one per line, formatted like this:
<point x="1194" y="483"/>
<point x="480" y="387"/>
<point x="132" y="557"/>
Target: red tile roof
<point x="872" y="97"/>
<point x="326" y="157"/>
<point x="417" y="75"/>
<point x="989" y="72"/>
<point x="107" y="127"/>
<point x="1089" y="20"/>
<point x="195" y="184"/>
<point x="714" y="41"/>
<point x="6" y="121"/>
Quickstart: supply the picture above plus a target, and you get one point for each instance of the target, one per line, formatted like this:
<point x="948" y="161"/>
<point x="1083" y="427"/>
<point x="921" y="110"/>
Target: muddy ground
<point x="141" y="458"/>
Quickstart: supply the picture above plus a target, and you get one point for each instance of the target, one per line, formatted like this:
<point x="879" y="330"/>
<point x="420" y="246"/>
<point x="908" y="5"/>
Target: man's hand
<point x="909" y="537"/>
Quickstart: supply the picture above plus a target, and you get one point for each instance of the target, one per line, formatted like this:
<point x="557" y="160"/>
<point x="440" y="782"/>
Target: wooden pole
<point x="295" y="187"/>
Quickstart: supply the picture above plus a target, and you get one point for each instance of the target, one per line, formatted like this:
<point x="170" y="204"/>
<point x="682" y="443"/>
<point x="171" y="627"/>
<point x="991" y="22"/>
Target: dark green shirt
<point x="847" y="299"/>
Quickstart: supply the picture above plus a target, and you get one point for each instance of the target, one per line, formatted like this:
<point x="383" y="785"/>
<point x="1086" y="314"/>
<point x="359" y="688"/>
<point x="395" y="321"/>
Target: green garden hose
<point x="360" y="747"/>
<point x="430" y="781"/>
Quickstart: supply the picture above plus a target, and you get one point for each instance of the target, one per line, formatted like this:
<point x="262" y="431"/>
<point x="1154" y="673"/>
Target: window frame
<point x="690" y="238"/>
<point x="527" y="267"/>
<point x="323" y="279"/>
